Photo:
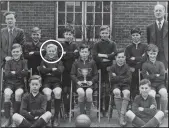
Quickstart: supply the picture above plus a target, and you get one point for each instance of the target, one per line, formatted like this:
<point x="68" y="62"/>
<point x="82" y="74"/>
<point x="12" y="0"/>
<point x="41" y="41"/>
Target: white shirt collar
<point x="162" y="22"/>
<point x="9" y="29"/>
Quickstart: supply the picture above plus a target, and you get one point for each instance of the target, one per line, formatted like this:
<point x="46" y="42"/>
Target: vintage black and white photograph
<point x="83" y="63"/>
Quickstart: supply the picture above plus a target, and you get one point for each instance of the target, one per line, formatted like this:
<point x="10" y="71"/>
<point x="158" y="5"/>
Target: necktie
<point x="10" y="40"/>
<point x="159" y="25"/>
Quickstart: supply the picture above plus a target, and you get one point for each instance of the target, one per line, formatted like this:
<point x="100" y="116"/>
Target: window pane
<point x="78" y="31"/>
<point x="70" y="6"/>
<point x="98" y="7"/>
<point x="106" y="6"/>
<point x="78" y="6"/>
<point x="69" y="17"/>
<point x="97" y="32"/>
<point x="61" y="31"/>
<point x="98" y="19"/>
<point x="4" y="5"/>
<point x="90" y="6"/>
<point x="3" y="18"/>
<point x="89" y="18"/>
<point x="61" y="6"/>
<point x="61" y="18"/>
<point x="78" y="18"/>
<point x="89" y="31"/>
<point x="106" y="18"/>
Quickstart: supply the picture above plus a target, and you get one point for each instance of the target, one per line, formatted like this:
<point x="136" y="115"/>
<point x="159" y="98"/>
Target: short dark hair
<point x="16" y="45"/>
<point x="152" y="47"/>
<point x="68" y="29"/>
<point x="135" y="30"/>
<point x="10" y="12"/>
<point x="83" y="46"/>
<point x="35" y="77"/>
<point x="145" y="81"/>
<point x="119" y="51"/>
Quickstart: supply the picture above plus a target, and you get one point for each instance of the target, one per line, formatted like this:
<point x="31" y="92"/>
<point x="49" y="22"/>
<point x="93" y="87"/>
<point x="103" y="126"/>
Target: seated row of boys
<point x="16" y="69"/>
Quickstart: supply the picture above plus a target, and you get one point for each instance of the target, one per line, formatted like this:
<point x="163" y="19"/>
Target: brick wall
<point x="125" y="16"/>
<point x="40" y="13"/>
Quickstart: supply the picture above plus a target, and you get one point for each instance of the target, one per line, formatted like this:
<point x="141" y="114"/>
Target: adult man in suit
<point x="10" y="35"/>
<point x="157" y="33"/>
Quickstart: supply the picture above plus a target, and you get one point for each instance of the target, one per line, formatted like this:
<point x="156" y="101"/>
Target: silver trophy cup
<point x="84" y="72"/>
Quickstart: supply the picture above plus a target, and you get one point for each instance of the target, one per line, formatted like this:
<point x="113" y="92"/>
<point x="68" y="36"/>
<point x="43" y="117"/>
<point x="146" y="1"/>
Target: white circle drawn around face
<point x="55" y="42"/>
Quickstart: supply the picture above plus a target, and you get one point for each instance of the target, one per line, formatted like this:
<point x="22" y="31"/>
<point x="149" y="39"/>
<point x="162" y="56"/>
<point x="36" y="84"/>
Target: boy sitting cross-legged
<point x="121" y="78"/>
<point x="144" y="109"/>
<point x="84" y="74"/>
<point x="33" y="107"/>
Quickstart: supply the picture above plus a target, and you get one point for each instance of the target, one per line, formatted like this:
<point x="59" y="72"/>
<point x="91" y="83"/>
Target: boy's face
<point x="144" y="89"/>
<point x="35" y="86"/>
<point x="120" y="58"/>
<point x="152" y="55"/>
<point x="51" y="52"/>
<point x="104" y="34"/>
<point x="84" y="53"/>
<point x="16" y="53"/>
<point x="68" y="36"/>
<point x="136" y="37"/>
<point x="159" y="11"/>
<point x="35" y="37"/>
<point x="10" y="20"/>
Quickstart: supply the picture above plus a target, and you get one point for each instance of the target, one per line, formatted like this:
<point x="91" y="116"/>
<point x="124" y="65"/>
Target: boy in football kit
<point x="52" y="79"/>
<point x="32" y="50"/>
<point x="103" y="54"/>
<point x="84" y="74"/>
<point x="144" y="109"/>
<point x="155" y="71"/>
<point x="135" y="56"/>
<point x="33" y="107"/>
<point x="69" y="56"/>
<point x="15" y="71"/>
<point x="120" y="77"/>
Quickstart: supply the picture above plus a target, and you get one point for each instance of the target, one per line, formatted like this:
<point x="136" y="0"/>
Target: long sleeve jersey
<point x="35" y="105"/>
<point x="148" y="112"/>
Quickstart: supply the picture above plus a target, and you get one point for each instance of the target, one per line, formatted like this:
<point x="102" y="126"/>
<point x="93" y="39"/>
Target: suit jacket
<point x="18" y="37"/>
<point x="151" y="36"/>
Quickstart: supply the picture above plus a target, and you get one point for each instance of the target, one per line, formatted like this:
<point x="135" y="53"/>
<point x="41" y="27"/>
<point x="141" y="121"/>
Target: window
<point x="4" y="7"/>
<point x="85" y="17"/>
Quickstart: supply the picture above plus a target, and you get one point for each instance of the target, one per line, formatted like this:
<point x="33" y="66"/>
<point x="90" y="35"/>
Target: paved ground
<point x="103" y="123"/>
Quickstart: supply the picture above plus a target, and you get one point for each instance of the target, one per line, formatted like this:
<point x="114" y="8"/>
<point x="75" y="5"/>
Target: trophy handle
<point x="89" y="70"/>
<point x="79" y="70"/>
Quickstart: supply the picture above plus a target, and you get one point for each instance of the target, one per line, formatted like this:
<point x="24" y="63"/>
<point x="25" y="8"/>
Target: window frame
<point x="84" y="21"/>
<point x="2" y="11"/>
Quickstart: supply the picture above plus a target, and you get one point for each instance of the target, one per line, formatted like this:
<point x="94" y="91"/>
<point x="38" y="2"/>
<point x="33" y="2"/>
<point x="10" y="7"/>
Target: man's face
<point x="159" y="12"/>
<point x="120" y="58"/>
<point x="35" y="86"/>
<point x="10" y="20"/>
<point x="84" y="53"/>
<point x="36" y="37"/>
<point x="144" y="90"/>
<point x="16" y="53"/>
<point x="152" y="55"/>
<point x="68" y="36"/>
<point x="51" y="52"/>
<point x="136" y="37"/>
<point x="104" y="34"/>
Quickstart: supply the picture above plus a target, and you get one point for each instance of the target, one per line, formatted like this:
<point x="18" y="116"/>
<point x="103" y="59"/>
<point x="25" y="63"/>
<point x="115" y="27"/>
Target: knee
<point x="117" y="93"/>
<point x="159" y="115"/>
<point x="48" y="94"/>
<point x="81" y="92"/>
<point x="7" y="94"/>
<point x="18" y="94"/>
<point x="163" y="93"/>
<point x="152" y="93"/>
<point x="89" y="92"/>
<point x="17" y="118"/>
<point x="126" y="94"/>
<point x="130" y="115"/>
<point x="57" y="92"/>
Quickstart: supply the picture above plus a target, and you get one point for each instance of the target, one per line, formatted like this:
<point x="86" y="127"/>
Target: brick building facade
<point x="123" y="16"/>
